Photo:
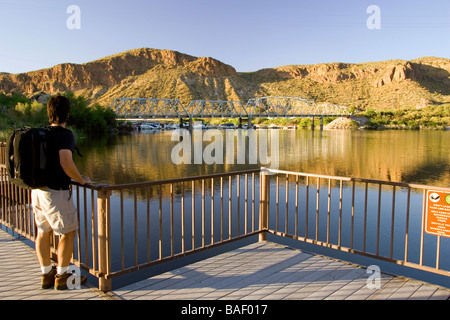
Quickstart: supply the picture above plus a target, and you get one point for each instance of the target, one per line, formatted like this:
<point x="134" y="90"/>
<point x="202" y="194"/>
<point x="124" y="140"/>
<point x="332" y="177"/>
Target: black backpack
<point x="27" y="157"/>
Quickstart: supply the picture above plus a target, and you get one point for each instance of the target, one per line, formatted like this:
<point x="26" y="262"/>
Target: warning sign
<point x="437" y="220"/>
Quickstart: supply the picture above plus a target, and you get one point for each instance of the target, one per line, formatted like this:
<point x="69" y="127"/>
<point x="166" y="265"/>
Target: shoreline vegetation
<point x="17" y="111"/>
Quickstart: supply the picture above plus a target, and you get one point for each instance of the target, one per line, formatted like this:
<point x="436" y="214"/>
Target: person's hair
<point x="58" y="109"/>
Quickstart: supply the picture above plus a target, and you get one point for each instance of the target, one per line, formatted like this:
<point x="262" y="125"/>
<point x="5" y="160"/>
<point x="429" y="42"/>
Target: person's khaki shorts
<point x="54" y="210"/>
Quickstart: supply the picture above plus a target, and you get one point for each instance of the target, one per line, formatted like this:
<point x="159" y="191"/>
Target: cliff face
<point x="381" y="73"/>
<point x="156" y="73"/>
<point x="107" y="71"/>
<point x="380" y="85"/>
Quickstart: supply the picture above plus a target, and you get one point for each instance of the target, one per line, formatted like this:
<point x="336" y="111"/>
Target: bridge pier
<point x="249" y="122"/>
<point x="321" y="124"/>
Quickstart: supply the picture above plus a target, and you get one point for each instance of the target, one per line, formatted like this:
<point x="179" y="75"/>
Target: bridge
<point x="274" y="106"/>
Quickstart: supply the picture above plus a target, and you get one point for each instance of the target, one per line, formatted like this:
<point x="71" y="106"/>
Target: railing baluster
<point x="104" y="261"/>
<point x="264" y="205"/>
<point x="307" y="208"/>
<point x="160" y="223"/>
<point x="212" y="210"/>
<point x="438" y="251"/>
<point x="317" y="210"/>
<point x="86" y="252"/>
<point x="93" y="228"/>
<point x="246" y="204"/>
<point x="329" y="211"/>
<point x="183" y="233"/>
<point x="392" y="223"/>
<point x="221" y="208"/>
<point x="422" y="227"/>
<point x="353" y="215"/>
<point x="287" y="205"/>
<point x="277" y="200"/>
<point x="365" y="217"/>
<point x="378" y="219"/>
<point x="229" y="208"/>
<point x="147" y="192"/>
<point x="341" y="187"/>
<point x="122" y="236"/>
<point x="296" y="207"/>
<point x="253" y="201"/>
<point x="135" y="229"/>
<point x="203" y="213"/>
<point x="171" y="221"/>
<point x="408" y="200"/>
<point x="193" y="214"/>
<point x="238" y="196"/>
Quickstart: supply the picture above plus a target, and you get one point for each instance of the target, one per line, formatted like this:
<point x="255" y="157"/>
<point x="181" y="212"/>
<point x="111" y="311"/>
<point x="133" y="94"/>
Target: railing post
<point x="104" y="257"/>
<point x="264" y="204"/>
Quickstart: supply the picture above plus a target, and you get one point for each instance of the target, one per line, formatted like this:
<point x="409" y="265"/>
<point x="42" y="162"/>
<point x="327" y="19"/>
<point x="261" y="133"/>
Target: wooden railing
<point x="378" y="219"/>
<point x="125" y="228"/>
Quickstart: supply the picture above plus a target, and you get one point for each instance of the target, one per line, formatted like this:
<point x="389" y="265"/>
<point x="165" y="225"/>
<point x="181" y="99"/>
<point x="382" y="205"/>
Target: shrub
<point x="19" y="111"/>
<point x="91" y="120"/>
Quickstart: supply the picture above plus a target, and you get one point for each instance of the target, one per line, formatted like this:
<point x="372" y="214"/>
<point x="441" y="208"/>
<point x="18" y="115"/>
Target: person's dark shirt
<point x="59" y="138"/>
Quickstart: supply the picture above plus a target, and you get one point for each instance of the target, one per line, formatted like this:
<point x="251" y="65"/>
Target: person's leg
<point x="63" y="274"/>
<point x="65" y="249"/>
<point x="43" y="254"/>
<point x="44" y="230"/>
<point x="43" y="248"/>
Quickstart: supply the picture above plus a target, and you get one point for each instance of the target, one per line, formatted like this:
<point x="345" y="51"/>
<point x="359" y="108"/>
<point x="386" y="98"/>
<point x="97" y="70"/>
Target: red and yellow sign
<point x="437" y="220"/>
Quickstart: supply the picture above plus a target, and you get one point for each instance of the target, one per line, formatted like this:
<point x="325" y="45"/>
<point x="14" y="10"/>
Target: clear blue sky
<point x="247" y="34"/>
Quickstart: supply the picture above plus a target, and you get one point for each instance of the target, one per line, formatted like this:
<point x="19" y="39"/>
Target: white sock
<point x="61" y="270"/>
<point x="46" y="269"/>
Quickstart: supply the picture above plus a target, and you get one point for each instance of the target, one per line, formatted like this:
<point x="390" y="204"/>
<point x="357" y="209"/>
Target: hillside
<point x="154" y="73"/>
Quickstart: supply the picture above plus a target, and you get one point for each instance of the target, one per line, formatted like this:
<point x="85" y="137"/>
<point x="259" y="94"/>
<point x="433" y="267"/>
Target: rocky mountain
<point x="153" y="73"/>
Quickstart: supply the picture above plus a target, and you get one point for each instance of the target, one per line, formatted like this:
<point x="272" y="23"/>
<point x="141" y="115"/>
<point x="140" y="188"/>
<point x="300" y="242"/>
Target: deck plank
<point x="269" y="271"/>
<point x="20" y="275"/>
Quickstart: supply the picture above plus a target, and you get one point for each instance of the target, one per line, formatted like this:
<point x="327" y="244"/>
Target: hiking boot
<point x="61" y="280"/>
<point x="48" y="279"/>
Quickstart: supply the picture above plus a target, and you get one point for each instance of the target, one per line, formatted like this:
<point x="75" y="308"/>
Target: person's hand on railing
<point x="87" y="180"/>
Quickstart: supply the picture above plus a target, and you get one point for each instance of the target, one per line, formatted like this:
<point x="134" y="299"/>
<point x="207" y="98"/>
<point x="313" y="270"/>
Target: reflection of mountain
<point x="406" y="156"/>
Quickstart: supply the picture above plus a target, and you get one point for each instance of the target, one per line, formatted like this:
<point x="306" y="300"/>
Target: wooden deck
<point x="270" y="271"/>
<point x="20" y="275"/>
<point x="257" y="271"/>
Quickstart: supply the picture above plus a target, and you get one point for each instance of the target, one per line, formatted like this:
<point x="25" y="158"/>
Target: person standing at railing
<point x="53" y="206"/>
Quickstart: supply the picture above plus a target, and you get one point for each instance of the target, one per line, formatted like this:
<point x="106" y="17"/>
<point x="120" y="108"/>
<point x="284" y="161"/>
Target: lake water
<point x="405" y="156"/>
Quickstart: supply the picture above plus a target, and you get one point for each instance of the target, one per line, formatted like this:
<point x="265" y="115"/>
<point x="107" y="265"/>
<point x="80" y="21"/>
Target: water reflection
<point x="406" y="156"/>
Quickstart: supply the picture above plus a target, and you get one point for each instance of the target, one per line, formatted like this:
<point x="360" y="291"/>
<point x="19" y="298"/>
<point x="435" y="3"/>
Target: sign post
<point x="437" y="219"/>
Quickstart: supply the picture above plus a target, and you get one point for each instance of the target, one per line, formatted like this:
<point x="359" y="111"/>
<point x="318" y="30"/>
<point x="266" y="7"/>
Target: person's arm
<point x="69" y="167"/>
